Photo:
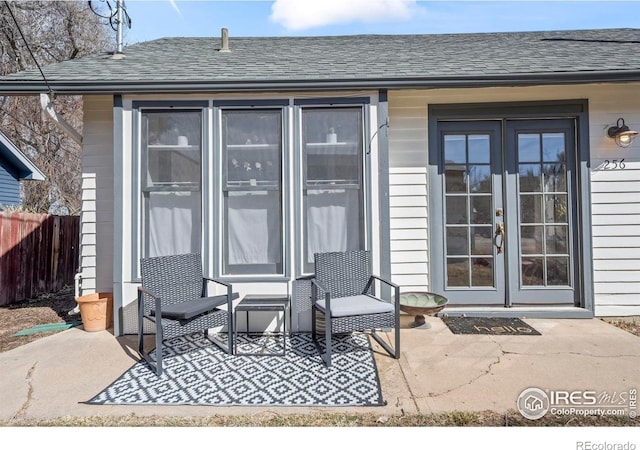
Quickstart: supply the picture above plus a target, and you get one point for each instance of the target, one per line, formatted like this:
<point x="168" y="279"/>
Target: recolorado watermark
<point x="534" y="403"/>
<point x="589" y="445"/>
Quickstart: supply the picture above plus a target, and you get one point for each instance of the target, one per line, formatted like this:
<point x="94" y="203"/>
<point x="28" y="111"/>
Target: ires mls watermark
<point x="534" y="403"/>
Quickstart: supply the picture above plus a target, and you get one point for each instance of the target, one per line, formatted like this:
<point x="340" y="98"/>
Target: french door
<point x="507" y="204"/>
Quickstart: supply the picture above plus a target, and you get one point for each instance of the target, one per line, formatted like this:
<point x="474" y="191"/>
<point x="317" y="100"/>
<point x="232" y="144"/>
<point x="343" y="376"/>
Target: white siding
<point x="408" y="212"/>
<point x="615" y="193"/>
<point x="97" y="196"/>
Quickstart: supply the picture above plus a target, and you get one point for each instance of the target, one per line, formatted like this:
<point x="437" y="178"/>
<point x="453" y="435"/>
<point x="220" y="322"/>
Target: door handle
<point x="499" y="237"/>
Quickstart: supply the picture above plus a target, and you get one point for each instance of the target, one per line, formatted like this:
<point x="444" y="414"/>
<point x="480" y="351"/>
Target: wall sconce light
<point x="622" y="134"/>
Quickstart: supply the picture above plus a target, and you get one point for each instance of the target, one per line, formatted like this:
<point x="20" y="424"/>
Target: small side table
<point x="276" y="303"/>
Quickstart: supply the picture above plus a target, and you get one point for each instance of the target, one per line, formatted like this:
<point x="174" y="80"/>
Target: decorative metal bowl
<point x="420" y="304"/>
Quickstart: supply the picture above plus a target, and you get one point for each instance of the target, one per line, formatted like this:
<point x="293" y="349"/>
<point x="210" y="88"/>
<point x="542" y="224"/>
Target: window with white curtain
<point x="333" y="207"/>
<point x="171" y="143"/>
<point x="252" y="234"/>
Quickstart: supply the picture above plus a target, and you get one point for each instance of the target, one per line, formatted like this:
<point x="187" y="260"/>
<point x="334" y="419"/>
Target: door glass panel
<point x="455" y="150"/>
<point x="531" y="240"/>
<point x="553" y="147"/>
<point x="558" y="271"/>
<point x="481" y="210"/>
<point x="468" y="203"/>
<point x="544" y="247"/>
<point x="480" y="178"/>
<point x="529" y="178"/>
<point x="482" y="272"/>
<point x="555" y="177"/>
<point x="455" y="179"/>
<point x="556" y="239"/>
<point x="531" y="208"/>
<point x="479" y="149"/>
<point x="556" y="208"/>
<point x="457" y="272"/>
<point x="481" y="241"/>
<point x="457" y="210"/>
<point x="533" y="271"/>
<point x="528" y="147"/>
<point x="457" y="241"/>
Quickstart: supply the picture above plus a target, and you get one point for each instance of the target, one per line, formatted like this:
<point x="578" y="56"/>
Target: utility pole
<point x="120" y="24"/>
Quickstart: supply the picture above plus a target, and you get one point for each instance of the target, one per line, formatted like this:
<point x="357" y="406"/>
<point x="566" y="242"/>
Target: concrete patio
<point x="437" y="372"/>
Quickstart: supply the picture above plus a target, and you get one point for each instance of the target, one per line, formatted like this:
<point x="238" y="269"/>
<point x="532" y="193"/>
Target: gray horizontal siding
<point x="9" y="188"/>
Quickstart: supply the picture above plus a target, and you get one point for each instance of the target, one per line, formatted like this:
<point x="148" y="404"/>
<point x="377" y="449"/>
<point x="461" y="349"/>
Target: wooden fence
<point x="38" y="254"/>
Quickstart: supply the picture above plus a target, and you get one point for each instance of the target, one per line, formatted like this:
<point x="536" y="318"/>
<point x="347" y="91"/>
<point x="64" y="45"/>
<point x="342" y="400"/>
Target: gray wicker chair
<point x="174" y="289"/>
<point x="343" y="291"/>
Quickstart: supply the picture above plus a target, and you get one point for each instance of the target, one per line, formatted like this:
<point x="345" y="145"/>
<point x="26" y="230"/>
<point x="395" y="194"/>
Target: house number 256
<point x="613" y="164"/>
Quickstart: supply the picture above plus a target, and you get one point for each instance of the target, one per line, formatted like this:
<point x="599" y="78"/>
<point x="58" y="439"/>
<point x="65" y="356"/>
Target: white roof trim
<point x="18" y="158"/>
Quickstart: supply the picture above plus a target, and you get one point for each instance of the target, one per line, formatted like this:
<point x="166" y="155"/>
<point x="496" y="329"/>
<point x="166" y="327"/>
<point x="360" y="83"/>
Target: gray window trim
<point x="263" y="103"/>
<point x="250" y="105"/>
<point x="331" y="101"/>
<point x="299" y="179"/>
<point x="577" y="109"/>
<point x="137" y="166"/>
<point x="118" y="213"/>
<point x="383" y="183"/>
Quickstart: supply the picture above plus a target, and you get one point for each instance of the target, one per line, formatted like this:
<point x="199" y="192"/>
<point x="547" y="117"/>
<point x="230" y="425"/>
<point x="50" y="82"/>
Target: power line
<point x="6" y="3"/>
<point x="112" y="18"/>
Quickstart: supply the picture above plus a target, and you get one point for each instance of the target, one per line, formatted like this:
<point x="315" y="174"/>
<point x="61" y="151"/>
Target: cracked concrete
<point x="447" y="372"/>
<point x="437" y="371"/>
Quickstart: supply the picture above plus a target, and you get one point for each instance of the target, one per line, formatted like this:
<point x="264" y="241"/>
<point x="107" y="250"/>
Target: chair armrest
<point x="142" y="290"/>
<point x="395" y="287"/>
<point x="387" y="282"/>
<point x="315" y="284"/>
<point x="155" y="297"/>
<point x="227" y="285"/>
<point x="222" y="283"/>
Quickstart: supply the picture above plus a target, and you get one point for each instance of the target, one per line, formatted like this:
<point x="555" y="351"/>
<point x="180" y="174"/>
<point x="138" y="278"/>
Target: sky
<point x="153" y="19"/>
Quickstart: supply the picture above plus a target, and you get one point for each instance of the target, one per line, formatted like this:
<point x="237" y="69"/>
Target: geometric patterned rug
<point x="197" y="372"/>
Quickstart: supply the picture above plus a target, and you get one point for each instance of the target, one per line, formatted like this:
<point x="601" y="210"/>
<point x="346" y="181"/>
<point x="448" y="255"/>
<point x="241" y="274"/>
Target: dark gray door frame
<point x="569" y="109"/>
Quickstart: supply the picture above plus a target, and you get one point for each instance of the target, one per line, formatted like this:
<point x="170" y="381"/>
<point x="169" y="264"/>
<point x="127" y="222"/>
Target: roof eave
<point x="27" y="169"/>
<point x="32" y="87"/>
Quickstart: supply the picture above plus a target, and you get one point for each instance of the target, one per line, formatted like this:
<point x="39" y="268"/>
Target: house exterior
<point x="476" y="166"/>
<point x="14" y="166"/>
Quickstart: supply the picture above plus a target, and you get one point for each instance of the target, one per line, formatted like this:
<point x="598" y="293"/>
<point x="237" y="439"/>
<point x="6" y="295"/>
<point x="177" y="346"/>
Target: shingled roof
<point x="342" y="62"/>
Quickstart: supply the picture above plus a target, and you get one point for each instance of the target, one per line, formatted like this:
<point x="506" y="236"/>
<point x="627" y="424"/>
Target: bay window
<point x="238" y="163"/>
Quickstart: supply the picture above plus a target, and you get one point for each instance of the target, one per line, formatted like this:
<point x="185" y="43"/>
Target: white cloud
<point x="304" y="14"/>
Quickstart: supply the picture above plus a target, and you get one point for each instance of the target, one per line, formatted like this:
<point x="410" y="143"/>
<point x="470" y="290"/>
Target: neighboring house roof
<point x="360" y="61"/>
<point x="20" y="164"/>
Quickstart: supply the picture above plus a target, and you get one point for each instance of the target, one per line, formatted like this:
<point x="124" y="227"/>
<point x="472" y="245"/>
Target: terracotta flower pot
<point x="96" y="311"/>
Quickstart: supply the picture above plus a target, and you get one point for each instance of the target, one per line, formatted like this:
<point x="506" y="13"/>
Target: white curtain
<point x="254" y="227"/>
<point x="173" y="223"/>
<point x="333" y="222"/>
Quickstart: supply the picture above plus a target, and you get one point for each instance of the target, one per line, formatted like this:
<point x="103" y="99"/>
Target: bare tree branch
<point x="55" y="31"/>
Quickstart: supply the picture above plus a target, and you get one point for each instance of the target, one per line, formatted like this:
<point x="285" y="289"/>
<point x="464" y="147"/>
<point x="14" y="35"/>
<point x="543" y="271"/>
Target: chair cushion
<point x="192" y="308"/>
<point x="356" y="305"/>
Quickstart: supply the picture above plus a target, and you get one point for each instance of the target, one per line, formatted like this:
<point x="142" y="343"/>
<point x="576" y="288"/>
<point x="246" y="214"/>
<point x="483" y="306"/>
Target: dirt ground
<point x="47" y="308"/>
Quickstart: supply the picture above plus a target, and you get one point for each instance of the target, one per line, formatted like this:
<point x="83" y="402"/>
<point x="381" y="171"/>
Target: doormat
<point x="197" y="372"/>
<point x="503" y="326"/>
